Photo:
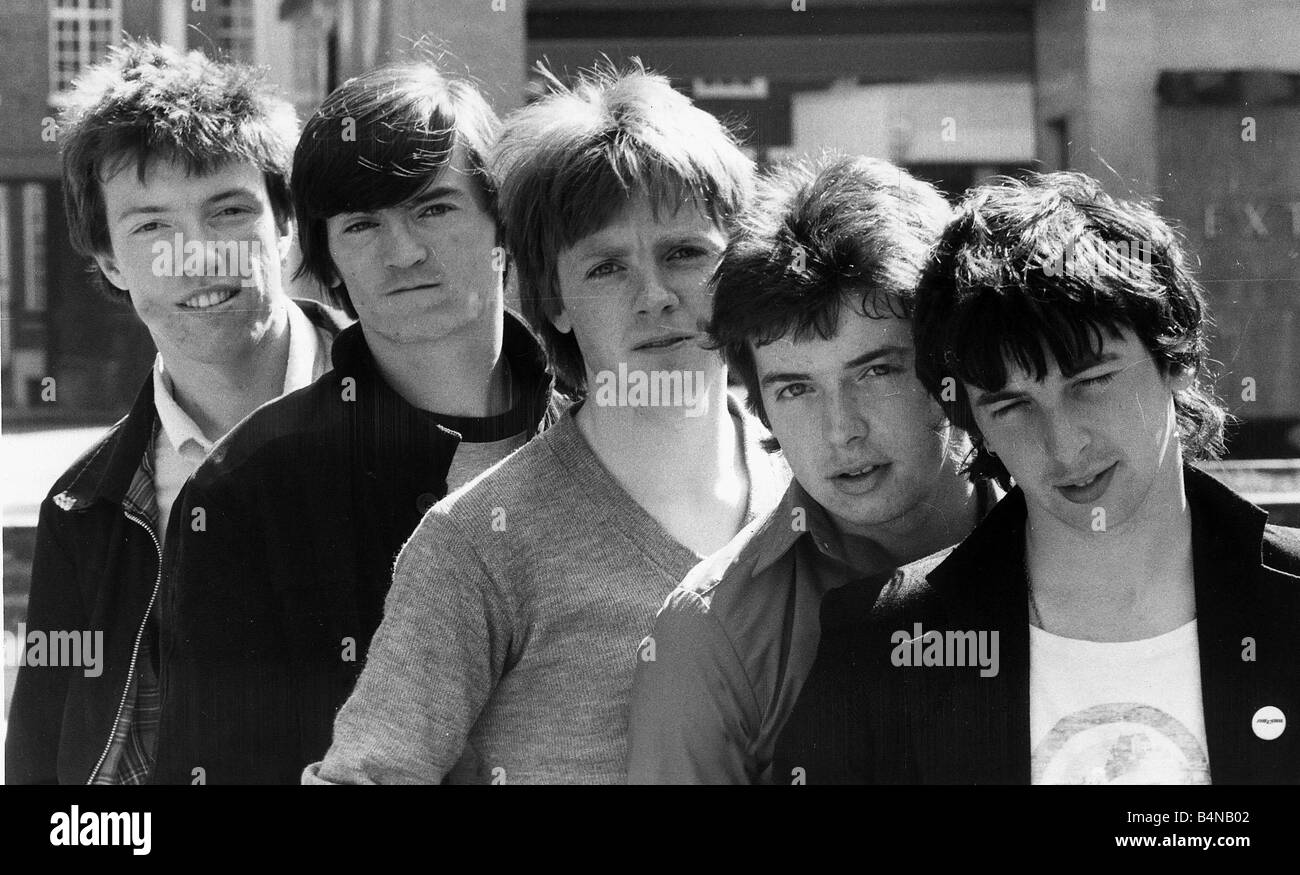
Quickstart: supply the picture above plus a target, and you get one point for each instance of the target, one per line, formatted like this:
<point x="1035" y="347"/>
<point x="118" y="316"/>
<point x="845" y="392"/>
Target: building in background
<point x="1193" y="102"/>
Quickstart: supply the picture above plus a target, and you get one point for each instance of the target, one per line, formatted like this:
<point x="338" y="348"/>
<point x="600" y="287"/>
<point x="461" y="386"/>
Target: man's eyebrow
<point x="239" y="191"/>
<point x="153" y="209"/>
<point x="878" y="353"/>
<point x="438" y="193"/>
<point x="782" y="377"/>
<point x="990" y="398"/>
<point x="1089" y="361"/>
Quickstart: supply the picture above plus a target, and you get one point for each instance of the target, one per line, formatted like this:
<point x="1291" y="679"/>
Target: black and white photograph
<point x="893" y="394"/>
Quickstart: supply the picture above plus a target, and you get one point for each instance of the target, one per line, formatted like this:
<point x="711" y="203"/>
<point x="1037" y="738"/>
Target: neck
<point x="662" y="450"/>
<point x="945" y="517"/>
<point x="462" y="375"/>
<point x="1126" y="583"/>
<point x="217" y="396"/>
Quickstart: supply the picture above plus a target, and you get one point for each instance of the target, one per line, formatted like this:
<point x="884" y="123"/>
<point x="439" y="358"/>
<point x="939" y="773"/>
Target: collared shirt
<point x="181" y="446"/>
<point x="734" y="643"/>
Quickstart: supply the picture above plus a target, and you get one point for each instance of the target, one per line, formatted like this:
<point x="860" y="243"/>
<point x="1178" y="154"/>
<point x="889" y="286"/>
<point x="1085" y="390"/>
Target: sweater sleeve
<point x="693" y="708"/>
<point x="433" y="665"/>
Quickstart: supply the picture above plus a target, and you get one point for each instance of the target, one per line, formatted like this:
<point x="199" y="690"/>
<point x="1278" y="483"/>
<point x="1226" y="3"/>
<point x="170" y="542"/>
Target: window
<point x="80" y="31"/>
<point x="33" y="247"/>
<point x="228" y="26"/>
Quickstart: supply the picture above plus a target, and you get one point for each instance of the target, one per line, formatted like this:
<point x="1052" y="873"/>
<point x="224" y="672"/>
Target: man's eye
<point x="1003" y="411"/>
<point x="358" y="226"/>
<point x="1098" y="382"/>
<point x="147" y="227"/>
<point x="233" y="211"/>
<point x="603" y="269"/>
<point x="682" y="253"/>
<point x="436" y="210"/>
<point x="794" y="390"/>
<point x="876" y="371"/>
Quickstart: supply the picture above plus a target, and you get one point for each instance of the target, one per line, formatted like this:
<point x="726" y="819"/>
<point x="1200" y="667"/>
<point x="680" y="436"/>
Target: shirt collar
<point x="179" y="429"/>
<point x="780" y="533"/>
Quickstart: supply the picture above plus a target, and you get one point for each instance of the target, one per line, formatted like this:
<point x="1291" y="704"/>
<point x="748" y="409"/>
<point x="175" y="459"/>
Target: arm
<point x="40" y="694"/>
<point x="432" y="666"/>
<point x="694" y="715"/>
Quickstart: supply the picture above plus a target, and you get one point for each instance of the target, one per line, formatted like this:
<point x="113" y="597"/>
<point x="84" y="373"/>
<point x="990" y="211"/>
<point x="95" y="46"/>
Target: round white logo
<point x="1268" y="722"/>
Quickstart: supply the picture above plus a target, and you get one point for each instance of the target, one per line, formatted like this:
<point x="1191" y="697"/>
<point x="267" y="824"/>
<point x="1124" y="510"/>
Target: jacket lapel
<point x="980" y="733"/>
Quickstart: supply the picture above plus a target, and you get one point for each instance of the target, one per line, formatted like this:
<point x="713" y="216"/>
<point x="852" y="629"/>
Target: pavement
<point x="30" y="462"/>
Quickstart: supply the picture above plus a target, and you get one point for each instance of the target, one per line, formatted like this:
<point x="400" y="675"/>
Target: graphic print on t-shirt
<point x="1120" y="743"/>
<point x="1117" y="712"/>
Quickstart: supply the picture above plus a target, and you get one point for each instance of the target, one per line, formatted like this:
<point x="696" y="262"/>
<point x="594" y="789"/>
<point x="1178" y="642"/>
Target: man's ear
<point x="108" y="267"/>
<point x="562" y="322"/>
<point x="286" y="228"/>
<point x="1181" y="378"/>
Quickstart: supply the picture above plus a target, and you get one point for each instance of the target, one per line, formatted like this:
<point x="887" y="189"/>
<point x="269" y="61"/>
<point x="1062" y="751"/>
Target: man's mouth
<point x="206" y="300"/>
<point x="423" y="287"/>
<point x="665" y="342"/>
<point x="1089" y="488"/>
<point x="857" y="478"/>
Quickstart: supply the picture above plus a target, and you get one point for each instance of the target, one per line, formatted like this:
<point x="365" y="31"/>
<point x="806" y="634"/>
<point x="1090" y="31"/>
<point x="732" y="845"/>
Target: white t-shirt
<point x="1127" y="712"/>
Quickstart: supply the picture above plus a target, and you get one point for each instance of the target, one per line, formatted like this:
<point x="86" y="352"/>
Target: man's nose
<point x="654" y="292"/>
<point x="403" y="248"/>
<point x="844" y="421"/>
<point x="1065" y="436"/>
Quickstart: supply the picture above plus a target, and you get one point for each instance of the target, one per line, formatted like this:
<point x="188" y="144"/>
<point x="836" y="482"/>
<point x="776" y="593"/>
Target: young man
<point x="510" y="635"/>
<point x="811" y="308"/>
<point x="175" y="171"/>
<point x="304" y="507"/>
<point x="1120" y="617"/>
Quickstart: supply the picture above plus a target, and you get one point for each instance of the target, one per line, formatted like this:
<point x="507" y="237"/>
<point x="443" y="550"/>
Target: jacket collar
<point x="107" y="472"/>
<point x="351" y="357"/>
<point x="1225" y="529"/>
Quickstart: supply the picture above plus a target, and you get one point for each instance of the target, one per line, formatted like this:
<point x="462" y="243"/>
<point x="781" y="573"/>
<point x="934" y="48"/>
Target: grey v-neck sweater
<point x="511" y="632"/>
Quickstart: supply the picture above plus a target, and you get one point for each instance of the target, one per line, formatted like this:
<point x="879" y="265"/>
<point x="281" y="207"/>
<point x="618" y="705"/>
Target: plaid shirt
<point x="131" y="753"/>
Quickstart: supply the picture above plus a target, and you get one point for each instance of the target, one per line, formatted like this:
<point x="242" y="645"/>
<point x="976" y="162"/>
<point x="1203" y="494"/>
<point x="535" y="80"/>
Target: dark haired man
<point x="1140" y="617"/>
<point x="303" y="508"/>
<point x="175" y="174"/>
<point x="811" y="308"/>
<point x="509" y="637"/>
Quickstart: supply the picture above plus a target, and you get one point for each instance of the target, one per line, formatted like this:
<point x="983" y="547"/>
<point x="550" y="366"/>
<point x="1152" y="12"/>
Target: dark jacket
<point x="273" y="603"/>
<point x="97" y="567"/>
<point x="862" y="720"/>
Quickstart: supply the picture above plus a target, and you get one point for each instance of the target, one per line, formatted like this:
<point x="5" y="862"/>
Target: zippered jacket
<point x="97" y="568"/>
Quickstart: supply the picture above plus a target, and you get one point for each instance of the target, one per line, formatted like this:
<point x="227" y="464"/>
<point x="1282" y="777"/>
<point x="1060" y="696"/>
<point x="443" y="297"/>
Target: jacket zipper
<point x="135" y="651"/>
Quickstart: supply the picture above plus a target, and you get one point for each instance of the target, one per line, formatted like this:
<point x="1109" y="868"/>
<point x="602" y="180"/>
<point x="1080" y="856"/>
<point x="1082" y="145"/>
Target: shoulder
<point x="514" y="508"/>
<point x="1282" y="549"/>
<point x="329" y="319"/>
<point x="885" y="598"/>
<point x="275" y="436"/>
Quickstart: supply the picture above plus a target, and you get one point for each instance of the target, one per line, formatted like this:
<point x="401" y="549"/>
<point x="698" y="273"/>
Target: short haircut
<point x="821" y="234"/>
<point x="147" y="102"/>
<point x="377" y="141"/>
<point x="1051" y="265"/>
<point x="570" y="162"/>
